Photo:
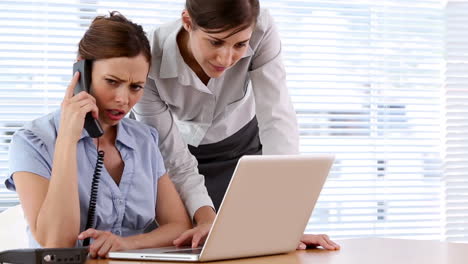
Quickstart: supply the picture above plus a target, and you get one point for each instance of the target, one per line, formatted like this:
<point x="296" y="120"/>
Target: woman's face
<point x="216" y="52"/>
<point x="117" y="85"/>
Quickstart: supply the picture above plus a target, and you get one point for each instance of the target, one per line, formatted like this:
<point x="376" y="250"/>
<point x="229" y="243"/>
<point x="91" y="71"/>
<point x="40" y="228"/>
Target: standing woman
<point x="217" y="91"/>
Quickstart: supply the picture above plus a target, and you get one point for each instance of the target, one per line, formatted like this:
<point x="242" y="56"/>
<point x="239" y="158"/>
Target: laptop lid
<point x="265" y="209"/>
<point x="267" y="206"/>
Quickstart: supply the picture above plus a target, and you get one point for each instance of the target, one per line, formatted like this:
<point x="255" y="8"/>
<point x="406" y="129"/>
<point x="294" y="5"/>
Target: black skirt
<point x="217" y="161"/>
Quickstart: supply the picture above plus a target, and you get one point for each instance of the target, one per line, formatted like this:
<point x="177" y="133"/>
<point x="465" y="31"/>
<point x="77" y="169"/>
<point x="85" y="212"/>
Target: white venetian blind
<point x="456" y="108"/>
<point x="366" y="78"/>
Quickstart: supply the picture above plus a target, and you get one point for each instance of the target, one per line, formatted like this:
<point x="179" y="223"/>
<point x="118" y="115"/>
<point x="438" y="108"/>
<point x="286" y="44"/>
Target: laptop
<point x="265" y="211"/>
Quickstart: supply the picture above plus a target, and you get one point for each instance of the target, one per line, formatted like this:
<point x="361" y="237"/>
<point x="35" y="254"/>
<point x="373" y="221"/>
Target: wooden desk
<point x="356" y="251"/>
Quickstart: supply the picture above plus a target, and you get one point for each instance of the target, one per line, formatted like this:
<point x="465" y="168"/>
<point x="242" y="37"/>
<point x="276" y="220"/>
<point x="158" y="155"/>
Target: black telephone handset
<point x="95" y="131"/>
<point x="84" y="83"/>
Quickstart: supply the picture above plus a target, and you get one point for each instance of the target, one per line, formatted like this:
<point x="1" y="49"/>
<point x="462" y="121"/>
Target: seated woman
<point x="52" y="159"/>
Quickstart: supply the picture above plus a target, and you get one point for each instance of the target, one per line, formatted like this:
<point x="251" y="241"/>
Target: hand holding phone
<point x="94" y="130"/>
<point x="84" y="83"/>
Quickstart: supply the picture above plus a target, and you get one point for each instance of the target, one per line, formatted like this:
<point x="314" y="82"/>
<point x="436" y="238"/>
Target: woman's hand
<point x="196" y="235"/>
<point x="324" y="241"/>
<point x="104" y="242"/>
<point x="74" y="110"/>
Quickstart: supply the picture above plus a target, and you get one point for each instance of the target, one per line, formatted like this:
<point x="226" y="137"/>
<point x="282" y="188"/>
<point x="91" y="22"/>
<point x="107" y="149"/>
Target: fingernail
<point x="302" y="246"/>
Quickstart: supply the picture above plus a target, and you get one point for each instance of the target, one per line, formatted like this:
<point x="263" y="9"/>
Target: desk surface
<point x="362" y="251"/>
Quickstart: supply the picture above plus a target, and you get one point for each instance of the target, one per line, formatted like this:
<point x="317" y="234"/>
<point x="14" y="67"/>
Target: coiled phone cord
<point x="94" y="192"/>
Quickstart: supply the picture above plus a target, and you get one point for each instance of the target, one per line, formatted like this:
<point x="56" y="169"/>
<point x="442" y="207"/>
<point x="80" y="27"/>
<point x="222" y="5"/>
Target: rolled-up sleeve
<point x="275" y="113"/>
<point x="181" y="165"/>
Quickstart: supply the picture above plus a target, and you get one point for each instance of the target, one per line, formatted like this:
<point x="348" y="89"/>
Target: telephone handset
<point x="95" y="131"/>
<point x="84" y="83"/>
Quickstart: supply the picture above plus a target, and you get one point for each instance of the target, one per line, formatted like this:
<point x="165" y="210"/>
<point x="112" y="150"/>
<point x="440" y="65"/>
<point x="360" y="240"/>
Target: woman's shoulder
<point x="42" y="129"/>
<point x="158" y="35"/>
<point x="160" y="40"/>
<point x="36" y="137"/>
<point x="264" y="17"/>
<point x="264" y="21"/>
<point x="138" y="130"/>
<point x="263" y="28"/>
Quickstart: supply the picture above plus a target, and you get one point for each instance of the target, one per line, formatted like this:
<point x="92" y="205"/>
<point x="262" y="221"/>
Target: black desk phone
<point x="45" y="256"/>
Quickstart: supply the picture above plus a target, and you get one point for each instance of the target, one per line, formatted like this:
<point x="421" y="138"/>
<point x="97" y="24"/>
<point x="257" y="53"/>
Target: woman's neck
<point x="183" y="39"/>
<point x="109" y="136"/>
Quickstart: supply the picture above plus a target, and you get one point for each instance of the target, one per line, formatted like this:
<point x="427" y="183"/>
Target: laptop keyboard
<point x="186" y="251"/>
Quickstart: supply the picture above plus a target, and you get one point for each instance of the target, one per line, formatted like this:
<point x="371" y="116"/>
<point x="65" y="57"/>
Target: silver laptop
<point x="264" y="211"/>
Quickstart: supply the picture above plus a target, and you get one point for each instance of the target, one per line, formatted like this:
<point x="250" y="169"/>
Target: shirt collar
<point x="172" y="63"/>
<point x="123" y="137"/>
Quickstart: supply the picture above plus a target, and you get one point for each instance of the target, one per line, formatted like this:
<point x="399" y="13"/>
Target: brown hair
<point x="216" y="16"/>
<point x="113" y="36"/>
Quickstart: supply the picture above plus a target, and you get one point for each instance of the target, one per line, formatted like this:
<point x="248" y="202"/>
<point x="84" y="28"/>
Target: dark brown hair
<point x="216" y="16"/>
<point x="113" y="36"/>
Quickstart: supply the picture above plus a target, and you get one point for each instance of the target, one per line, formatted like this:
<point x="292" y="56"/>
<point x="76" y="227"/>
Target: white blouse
<point x="205" y="114"/>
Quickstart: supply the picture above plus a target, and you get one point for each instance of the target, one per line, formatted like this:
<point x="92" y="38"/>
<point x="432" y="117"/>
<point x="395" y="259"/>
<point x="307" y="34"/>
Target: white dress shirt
<point x="205" y="114"/>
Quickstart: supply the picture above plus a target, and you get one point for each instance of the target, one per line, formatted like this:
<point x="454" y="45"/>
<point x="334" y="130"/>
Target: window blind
<point x="365" y="79"/>
<point x="364" y="76"/>
<point x="456" y="123"/>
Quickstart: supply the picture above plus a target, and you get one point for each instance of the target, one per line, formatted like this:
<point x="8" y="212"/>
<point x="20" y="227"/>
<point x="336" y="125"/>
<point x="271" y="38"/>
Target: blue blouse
<point x="125" y="209"/>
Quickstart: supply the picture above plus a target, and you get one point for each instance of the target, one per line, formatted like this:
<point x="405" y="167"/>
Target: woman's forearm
<point x="58" y="221"/>
<point x="204" y="215"/>
<point x="163" y="236"/>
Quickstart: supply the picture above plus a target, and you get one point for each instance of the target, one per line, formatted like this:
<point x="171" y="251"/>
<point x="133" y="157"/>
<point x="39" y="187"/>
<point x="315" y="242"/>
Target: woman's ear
<point x="187" y="21"/>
